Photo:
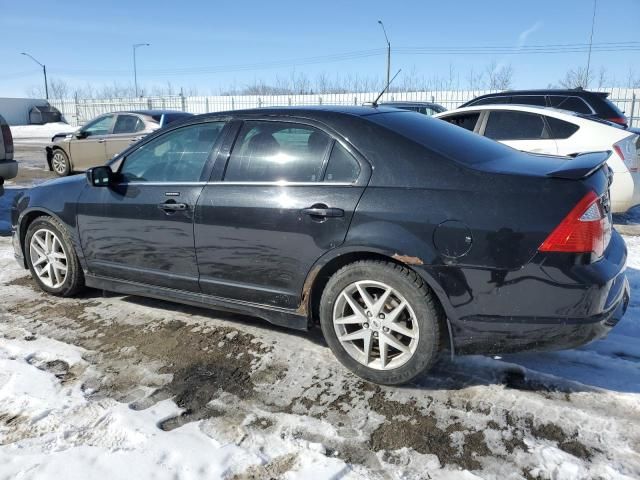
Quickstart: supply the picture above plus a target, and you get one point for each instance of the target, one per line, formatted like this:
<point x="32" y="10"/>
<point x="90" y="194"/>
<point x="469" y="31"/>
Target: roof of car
<point x="310" y="111"/>
<point x="155" y="112"/>
<point x="546" y="91"/>
<point x="407" y="103"/>
<point x="566" y="115"/>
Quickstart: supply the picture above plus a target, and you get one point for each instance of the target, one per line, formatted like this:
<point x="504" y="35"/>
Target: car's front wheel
<point x="52" y="259"/>
<point x="381" y="321"/>
<point x="60" y="163"/>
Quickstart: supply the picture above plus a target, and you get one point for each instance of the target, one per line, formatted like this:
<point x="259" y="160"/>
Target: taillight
<point x="626" y="150"/>
<point x="7" y="138"/>
<point x="619" y="120"/>
<point x="586" y="229"/>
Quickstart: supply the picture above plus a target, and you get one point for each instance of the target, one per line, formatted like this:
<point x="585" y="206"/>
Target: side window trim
<point x="206" y="171"/>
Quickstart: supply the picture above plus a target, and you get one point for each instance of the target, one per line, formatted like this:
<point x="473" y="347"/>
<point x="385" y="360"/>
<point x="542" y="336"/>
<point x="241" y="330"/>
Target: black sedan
<point x="399" y="234"/>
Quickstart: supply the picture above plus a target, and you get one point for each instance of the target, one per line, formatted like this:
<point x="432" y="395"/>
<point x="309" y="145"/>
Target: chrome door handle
<point x="323" y="211"/>
<point x="173" y="207"/>
<point x="102" y="140"/>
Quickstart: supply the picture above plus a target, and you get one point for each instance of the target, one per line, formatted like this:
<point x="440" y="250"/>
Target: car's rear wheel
<point x="60" y="163"/>
<point x="52" y="259"/>
<point x="381" y="321"/>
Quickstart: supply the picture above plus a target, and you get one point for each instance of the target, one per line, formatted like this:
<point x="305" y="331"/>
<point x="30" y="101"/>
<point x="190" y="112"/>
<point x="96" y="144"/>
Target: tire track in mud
<point x="202" y="366"/>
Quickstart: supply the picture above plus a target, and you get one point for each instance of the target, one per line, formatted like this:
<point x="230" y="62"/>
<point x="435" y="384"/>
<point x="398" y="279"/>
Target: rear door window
<point x="277" y="151"/>
<point x="560" y="129"/>
<point x="509" y="125"/>
<point x="464" y="120"/>
<point x="128" y="124"/>
<point x="573" y="104"/>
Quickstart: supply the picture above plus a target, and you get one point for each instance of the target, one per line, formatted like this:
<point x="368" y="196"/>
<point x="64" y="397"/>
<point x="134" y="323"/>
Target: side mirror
<point x="80" y="134"/>
<point x="100" y="176"/>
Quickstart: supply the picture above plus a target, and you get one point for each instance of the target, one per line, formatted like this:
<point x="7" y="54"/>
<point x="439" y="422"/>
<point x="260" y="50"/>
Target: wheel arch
<point x="25" y="220"/>
<point x="319" y="275"/>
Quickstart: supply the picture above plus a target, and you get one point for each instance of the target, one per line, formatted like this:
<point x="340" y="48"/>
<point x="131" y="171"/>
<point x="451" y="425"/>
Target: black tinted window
<point x="560" y="128"/>
<point x="128" y="124"/>
<point x="490" y="101"/>
<point x="465" y="120"/>
<point x="342" y="166"/>
<point x="177" y="156"/>
<point x="537" y="100"/>
<point x="277" y="151"/>
<point x="573" y="104"/>
<point x="506" y="125"/>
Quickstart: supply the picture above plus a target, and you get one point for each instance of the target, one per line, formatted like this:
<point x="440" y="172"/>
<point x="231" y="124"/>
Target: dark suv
<point x="399" y="234"/>
<point x="594" y="104"/>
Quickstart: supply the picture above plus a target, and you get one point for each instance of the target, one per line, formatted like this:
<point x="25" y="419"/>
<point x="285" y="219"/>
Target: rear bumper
<point x="8" y="169"/>
<point x="553" y="303"/>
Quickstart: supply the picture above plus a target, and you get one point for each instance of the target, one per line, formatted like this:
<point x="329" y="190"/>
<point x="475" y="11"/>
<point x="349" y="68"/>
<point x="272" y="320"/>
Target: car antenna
<point x="375" y="102"/>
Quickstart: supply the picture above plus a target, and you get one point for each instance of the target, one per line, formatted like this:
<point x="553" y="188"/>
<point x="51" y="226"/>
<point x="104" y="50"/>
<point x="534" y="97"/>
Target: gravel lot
<point x="204" y="394"/>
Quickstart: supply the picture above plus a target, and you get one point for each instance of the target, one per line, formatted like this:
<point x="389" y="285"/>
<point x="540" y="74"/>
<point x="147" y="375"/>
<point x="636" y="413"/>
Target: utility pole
<point x="388" y="52"/>
<point x="44" y="71"/>
<point x="135" y="70"/>
<point x="593" y="22"/>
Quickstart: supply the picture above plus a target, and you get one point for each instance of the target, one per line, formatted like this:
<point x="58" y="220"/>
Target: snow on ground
<point x="35" y="133"/>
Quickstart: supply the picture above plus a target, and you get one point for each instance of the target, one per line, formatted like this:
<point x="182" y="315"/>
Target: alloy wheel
<point x="59" y="163"/>
<point x="375" y="325"/>
<point x="48" y="258"/>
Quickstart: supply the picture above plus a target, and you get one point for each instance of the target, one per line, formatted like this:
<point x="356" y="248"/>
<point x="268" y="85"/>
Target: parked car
<point x="559" y="132"/>
<point x="8" y="166"/>
<point x="401" y="235"/>
<point x="593" y="104"/>
<point x="103" y="137"/>
<point x="426" y="108"/>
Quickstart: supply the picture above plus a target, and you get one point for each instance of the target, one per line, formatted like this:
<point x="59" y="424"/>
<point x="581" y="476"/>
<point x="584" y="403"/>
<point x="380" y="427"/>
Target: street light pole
<point x="388" y="51"/>
<point x="135" y="70"/>
<point x="44" y="71"/>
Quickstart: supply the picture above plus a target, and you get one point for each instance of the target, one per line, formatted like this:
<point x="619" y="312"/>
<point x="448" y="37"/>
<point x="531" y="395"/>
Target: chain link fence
<point x="78" y="111"/>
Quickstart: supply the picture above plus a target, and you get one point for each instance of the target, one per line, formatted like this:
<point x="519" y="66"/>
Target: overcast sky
<point x="213" y="45"/>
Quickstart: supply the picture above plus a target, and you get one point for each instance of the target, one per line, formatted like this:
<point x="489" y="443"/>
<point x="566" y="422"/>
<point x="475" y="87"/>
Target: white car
<point x="559" y="132"/>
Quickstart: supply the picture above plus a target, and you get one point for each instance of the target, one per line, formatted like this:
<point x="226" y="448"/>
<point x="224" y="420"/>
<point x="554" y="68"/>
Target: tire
<point x="417" y="326"/>
<point x="60" y="163"/>
<point x="53" y="240"/>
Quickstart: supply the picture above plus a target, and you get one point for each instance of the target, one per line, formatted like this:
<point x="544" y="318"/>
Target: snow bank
<point x="39" y="132"/>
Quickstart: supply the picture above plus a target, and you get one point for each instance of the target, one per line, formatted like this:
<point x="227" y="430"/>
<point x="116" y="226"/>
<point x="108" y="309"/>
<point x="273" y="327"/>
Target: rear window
<point x="573" y="104"/>
<point x="561" y="129"/>
<point x="441" y="137"/>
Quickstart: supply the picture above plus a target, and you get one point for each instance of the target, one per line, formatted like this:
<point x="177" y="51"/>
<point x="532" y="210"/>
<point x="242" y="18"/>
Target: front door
<point x="88" y="147"/>
<point x="141" y="228"/>
<point x="520" y="130"/>
<point x="287" y="196"/>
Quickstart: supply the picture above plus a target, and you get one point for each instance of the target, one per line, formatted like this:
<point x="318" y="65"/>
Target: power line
<point x="360" y="54"/>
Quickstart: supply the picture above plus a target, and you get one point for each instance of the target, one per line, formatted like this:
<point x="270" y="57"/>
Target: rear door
<point x="521" y="130"/>
<point x="126" y="130"/>
<point x="285" y="198"/>
<point x="89" y="149"/>
<point x="141" y="228"/>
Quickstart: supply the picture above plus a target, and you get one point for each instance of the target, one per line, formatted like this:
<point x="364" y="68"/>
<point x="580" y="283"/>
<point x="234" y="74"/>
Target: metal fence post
<point x="633" y="109"/>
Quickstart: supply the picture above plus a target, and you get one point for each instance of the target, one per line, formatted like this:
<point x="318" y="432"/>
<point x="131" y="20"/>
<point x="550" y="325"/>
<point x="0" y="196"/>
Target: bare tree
<point x="59" y="89"/>
<point x="576" y="77"/>
<point x="498" y="77"/>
